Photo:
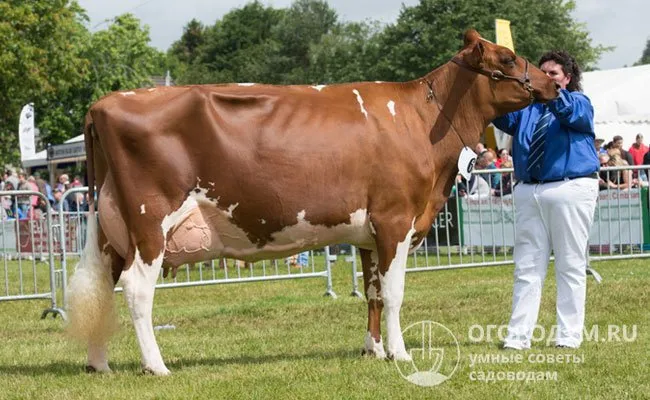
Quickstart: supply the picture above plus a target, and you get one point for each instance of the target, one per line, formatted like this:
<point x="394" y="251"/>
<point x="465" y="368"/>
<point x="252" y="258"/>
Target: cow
<point x="251" y="172"/>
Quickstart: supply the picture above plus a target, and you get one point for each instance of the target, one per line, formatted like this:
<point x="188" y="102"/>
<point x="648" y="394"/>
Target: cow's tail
<point x="90" y="301"/>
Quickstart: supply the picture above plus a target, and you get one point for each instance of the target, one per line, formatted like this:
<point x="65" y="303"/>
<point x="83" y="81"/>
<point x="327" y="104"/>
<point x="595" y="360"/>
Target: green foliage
<point x="430" y="33"/>
<point x="346" y="54"/>
<point x="50" y="58"/>
<point x="645" y="57"/>
<point x="41" y="63"/>
<point x="120" y="57"/>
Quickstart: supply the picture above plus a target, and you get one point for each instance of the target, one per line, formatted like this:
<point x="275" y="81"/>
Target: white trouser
<point x="551" y="216"/>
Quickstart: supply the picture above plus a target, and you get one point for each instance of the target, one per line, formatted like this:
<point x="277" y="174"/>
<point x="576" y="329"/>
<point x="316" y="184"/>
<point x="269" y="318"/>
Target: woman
<point x="556" y="167"/>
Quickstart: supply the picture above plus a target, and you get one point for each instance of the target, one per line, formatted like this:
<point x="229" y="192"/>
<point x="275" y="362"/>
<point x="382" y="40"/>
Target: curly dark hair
<point x="569" y="67"/>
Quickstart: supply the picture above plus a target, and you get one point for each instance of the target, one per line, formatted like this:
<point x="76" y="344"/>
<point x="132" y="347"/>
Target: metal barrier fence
<point x="472" y="230"/>
<point x="312" y="264"/>
<point x="27" y="249"/>
<point x="478" y="229"/>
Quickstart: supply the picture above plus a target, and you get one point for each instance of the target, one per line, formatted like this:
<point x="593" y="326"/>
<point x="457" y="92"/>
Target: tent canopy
<point x="620" y="100"/>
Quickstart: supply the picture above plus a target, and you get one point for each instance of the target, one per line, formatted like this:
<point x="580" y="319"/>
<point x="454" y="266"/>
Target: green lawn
<point x="285" y="340"/>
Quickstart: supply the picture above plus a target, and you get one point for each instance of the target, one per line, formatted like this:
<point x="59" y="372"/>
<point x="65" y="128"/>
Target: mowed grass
<point x="284" y="340"/>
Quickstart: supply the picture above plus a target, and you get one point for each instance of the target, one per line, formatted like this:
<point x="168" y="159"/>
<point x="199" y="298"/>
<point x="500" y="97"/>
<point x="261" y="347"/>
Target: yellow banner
<point x="504" y="37"/>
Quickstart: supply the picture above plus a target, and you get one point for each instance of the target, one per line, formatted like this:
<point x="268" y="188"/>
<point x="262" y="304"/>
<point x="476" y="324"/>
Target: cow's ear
<point x="471" y="36"/>
<point x="475" y="55"/>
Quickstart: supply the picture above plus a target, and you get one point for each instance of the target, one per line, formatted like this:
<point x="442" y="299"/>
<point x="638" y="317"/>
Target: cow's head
<point x="512" y="82"/>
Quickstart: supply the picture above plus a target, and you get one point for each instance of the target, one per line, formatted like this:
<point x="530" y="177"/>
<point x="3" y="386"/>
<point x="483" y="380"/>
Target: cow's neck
<point x="460" y="111"/>
<point x="457" y="115"/>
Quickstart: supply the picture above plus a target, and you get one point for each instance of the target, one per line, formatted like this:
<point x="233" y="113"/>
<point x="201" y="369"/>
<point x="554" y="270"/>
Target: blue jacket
<point x="569" y="150"/>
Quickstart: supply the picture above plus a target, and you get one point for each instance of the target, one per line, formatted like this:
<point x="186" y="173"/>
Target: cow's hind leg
<point x="373" y="345"/>
<point x="139" y="282"/>
<point x="393" y="242"/>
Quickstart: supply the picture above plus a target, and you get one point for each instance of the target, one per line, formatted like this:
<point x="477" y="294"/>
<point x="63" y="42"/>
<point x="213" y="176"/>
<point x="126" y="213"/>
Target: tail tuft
<point x="92" y="316"/>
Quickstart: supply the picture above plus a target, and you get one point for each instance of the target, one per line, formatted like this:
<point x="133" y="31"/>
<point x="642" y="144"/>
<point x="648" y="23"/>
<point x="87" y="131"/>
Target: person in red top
<point x="638" y="150"/>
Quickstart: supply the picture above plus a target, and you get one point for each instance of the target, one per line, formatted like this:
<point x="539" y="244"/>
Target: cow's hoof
<point x="373" y="354"/>
<point x="93" y="370"/>
<point x="399" y="356"/>
<point x="157" y="372"/>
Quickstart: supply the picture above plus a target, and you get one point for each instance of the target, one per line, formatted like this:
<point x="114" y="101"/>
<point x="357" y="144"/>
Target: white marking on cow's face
<point x="262" y="221"/>
<point x="131" y="93"/>
<point x="318" y="87"/>
<point x="211" y="183"/>
<point x="246" y="84"/>
<point x="379" y="81"/>
<point x="231" y="209"/>
<point x="360" y="100"/>
<point x="392" y="288"/>
<point x="151" y="89"/>
<point x="142" y="210"/>
<point x="391" y="108"/>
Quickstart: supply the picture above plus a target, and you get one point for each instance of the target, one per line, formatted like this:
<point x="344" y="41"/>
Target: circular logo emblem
<point x="434" y="351"/>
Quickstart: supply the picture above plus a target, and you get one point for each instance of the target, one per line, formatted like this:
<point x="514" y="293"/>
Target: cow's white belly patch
<point x="201" y="230"/>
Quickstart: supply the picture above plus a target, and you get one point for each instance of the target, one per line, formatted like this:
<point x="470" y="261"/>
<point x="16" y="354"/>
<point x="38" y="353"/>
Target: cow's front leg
<point x="373" y="345"/>
<point x="393" y="244"/>
<point x="139" y="283"/>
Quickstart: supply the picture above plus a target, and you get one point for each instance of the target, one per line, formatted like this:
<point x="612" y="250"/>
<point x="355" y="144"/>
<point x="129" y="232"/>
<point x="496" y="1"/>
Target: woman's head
<point x="562" y="68"/>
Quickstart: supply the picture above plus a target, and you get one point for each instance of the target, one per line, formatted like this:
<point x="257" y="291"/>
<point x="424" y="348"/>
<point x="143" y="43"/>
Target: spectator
<point x="620" y="179"/>
<point x="11" y="177"/>
<point x="480" y="148"/>
<point x="76" y="182"/>
<point x="489" y="163"/>
<point x="57" y="201"/>
<point x="638" y="150"/>
<point x="599" y="146"/>
<point x="604" y="177"/>
<point x="63" y="182"/>
<point x="644" y="174"/>
<point x="617" y="143"/>
<point x="505" y="188"/>
<point x="24" y="202"/>
<point x="504" y="155"/>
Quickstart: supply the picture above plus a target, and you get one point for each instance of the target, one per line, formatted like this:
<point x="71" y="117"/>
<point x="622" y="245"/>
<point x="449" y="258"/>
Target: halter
<point x="498" y="75"/>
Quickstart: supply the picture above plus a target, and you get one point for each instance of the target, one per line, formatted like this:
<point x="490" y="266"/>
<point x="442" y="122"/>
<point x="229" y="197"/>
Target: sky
<point x="623" y="23"/>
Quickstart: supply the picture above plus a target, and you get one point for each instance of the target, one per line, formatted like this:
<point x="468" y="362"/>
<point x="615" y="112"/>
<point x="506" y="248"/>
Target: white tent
<point x="40" y="159"/>
<point x="621" y="102"/>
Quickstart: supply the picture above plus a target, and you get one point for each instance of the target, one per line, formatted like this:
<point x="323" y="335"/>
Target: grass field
<point x="285" y="340"/>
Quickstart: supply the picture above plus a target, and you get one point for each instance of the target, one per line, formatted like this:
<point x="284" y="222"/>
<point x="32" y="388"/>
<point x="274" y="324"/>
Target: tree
<point x="645" y="57"/>
<point x="430" y="33"/>
<point x="236" y="48"/>
<point x="40" y="62"/>
<point x="302" y="26"/>
<point x="349" y="53"/>
<point x="121" y="58"/>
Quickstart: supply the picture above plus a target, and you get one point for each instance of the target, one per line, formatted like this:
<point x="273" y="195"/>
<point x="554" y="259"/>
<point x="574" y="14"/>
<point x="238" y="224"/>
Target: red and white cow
<point x="251" y="172"/>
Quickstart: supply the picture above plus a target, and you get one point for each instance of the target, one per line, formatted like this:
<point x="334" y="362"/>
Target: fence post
<point x="353" y="259"/>
<point x="328" y="264"/>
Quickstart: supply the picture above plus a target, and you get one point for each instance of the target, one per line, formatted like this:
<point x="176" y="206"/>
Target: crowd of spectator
<point x="611" y="154"/>
<point x="33" y="206"/>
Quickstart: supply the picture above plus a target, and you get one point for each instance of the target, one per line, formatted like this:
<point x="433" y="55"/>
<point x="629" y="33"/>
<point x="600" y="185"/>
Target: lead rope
<point x="432" y="96"/>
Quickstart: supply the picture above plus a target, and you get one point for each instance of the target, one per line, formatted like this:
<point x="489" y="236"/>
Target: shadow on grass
<point x="178" y="364"/>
